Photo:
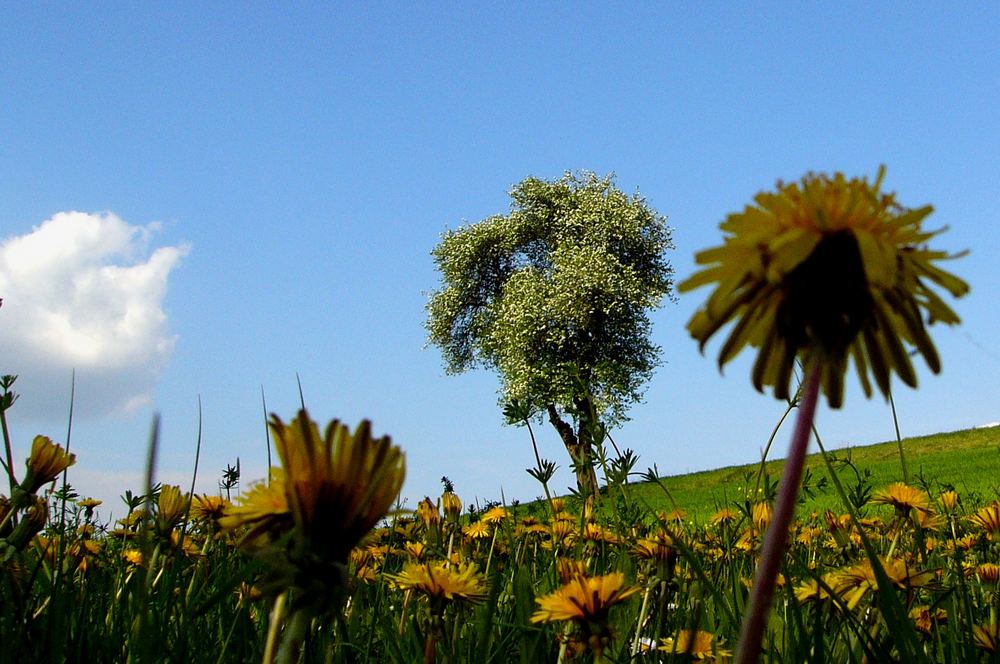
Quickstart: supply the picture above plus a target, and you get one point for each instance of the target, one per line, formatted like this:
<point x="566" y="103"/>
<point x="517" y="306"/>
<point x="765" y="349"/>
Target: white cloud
<point x="82" y="291"/>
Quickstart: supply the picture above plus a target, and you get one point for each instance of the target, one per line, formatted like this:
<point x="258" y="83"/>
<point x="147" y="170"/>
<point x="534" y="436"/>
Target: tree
<point x="554" y="296"/>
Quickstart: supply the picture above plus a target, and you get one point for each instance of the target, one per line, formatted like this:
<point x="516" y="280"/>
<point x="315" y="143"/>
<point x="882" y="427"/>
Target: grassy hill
<point x="968" y="461"/>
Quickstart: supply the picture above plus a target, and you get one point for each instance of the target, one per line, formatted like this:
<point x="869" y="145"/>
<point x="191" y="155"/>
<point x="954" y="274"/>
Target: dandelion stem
<point x="277" y="617"/>
<point x="752" y="633"/>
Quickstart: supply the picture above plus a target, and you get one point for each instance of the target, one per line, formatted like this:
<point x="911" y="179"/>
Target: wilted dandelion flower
<point x="925" y="618"/>
<point x="829" y="266"/>
<point x="428" y="512"/>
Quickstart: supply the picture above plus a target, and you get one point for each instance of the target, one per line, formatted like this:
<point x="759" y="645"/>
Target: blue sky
<point x="274" y="177"/>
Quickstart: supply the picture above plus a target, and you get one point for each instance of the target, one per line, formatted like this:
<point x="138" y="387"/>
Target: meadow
<point x="317" y="564"/>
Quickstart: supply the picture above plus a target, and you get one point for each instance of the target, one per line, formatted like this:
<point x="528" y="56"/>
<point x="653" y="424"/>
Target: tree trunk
<point x="581" y="452"/>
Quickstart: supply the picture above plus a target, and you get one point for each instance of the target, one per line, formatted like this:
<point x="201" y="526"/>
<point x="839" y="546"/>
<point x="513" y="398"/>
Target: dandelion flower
<point x="925" y="618"/>
<point x="854" y="582"/>
<point x="583" y="599"/>
<point x="903" y="498"/>
<point x="697" y="644"/>
<point x="451" y="504"/>
<point x="338" y="484"/>
<point x="494" y="515"/>
<point x="586" y="601"/>
<point x="171" y="507"/>
<point x="986" y="637"/>
<point x="831" y="266"/>
<point x="442" y="582"/>
<point x="477" y="530"/>
<point x="949" y="500"/>
<point x="987" y="518"/>
<point x="263" y="509"/>
<point x="47" y="460"/>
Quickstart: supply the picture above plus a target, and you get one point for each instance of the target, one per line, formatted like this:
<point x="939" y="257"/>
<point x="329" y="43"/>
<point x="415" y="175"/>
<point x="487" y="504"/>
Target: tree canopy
<point x="555" y="295"/>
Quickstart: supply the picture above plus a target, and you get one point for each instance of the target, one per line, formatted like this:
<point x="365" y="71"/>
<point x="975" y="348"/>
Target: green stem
<point x="277" y="617"/>
<point x="755" y="620"/>
<point x="7" y="449"/>
<point x="899" y="439"/>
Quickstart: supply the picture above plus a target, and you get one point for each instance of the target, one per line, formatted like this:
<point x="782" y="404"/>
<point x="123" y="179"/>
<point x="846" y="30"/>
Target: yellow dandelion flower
<point x="338" y="485"/>
<point x="697" y="644"/>
<point x="451" y="504"/>
<point x="854" y="582"/>
<point x="593" y="532"/>
<point x="930" y="521"/>
<point x="477" y="530"/>
<point x="417" y="550"/>
<point x="903" y="498"/>
<point x="652" y="549"/>
<point x="263" y="509"/>
<point x="427" y="512"/>
<point x="171" y="506"/>
<point x="494" y="515"/>
<point x="988" y="573"/>
<point x="831" y="266"/>
<point x="761" y="514"/>
<point x="133" y="557"/>
<point x="47" y="460"/>
<point x="675" y="516"/>
<point x="811" y="590"/>
<point x="570" y="568"/>
<point x="583" y="599"/>
<point x="724" y="516"/>
<point x="440" y="581"/>
<point x="986" y="637"/>
<point x="988" y="518"/>
<point x="925" y="618"/>
<point x="209" y="509"/>
<point x="949" y="500"/>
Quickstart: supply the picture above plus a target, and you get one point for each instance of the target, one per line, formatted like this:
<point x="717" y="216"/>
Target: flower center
<point x="827" y="299"/>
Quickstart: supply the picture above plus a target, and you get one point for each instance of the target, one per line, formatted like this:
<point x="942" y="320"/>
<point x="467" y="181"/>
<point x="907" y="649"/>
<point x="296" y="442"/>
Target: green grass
<point x="967" y="460"/>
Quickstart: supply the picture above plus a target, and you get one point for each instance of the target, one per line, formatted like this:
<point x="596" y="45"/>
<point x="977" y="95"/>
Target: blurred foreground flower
<point x="826" y="265"/>
<point x="333" y="490"/>
<point x="820" y="272"/>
